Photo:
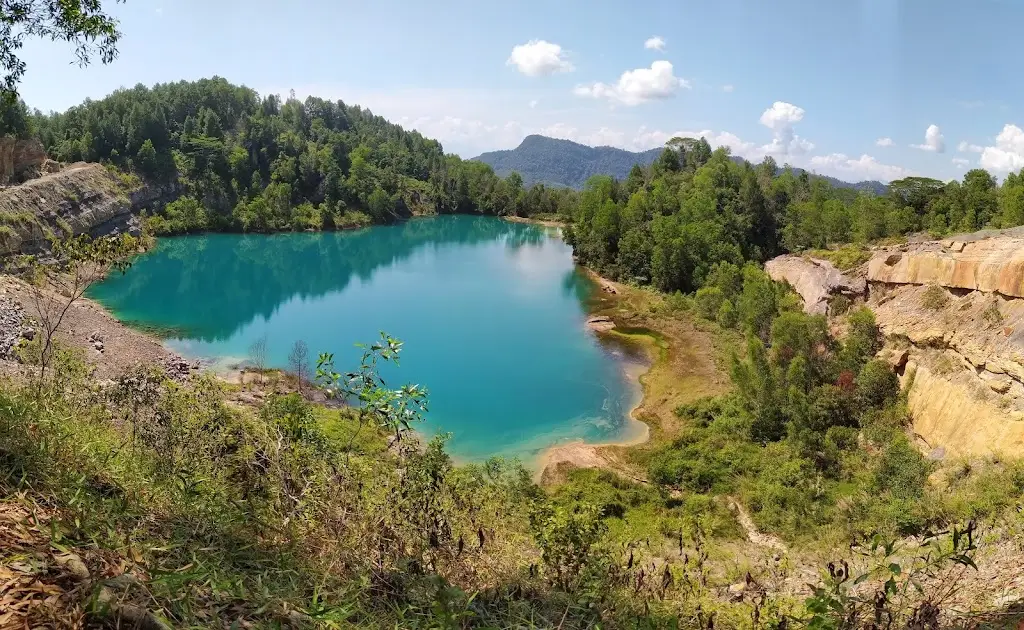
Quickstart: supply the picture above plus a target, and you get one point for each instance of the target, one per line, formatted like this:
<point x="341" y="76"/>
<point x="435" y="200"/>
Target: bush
<point x="877" y="384"/>
<point x="839" y="305"/>
<point x="708" y="301"/>
<point x="934" y="297"/>
<point x="727" y="316"/>
<point x="992" y="315"/>
<point x="901" y="471"/>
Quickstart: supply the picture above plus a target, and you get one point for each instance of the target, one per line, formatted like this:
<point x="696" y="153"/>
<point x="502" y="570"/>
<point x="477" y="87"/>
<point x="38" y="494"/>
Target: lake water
<point x="492" y="315"/>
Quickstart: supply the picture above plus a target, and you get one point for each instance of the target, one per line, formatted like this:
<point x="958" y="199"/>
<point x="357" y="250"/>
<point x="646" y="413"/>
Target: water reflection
<point x="240" y="277"/>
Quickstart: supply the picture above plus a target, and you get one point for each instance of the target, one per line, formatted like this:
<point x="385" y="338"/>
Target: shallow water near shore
<point x="492" y="314"/>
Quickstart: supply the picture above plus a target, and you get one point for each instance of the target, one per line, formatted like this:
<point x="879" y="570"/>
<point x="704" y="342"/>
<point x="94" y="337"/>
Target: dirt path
<point x="754" y="535"/>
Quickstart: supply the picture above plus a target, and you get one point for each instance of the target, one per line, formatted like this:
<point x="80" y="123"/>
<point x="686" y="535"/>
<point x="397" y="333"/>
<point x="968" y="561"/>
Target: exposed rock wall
<point x="967" y="359"/>
<point x="81" y="198"/>
<point x="965" y="339"/>
<point x="988" y="264"/>
<point x="817" y="281"/>
<point x="20" y="159"/>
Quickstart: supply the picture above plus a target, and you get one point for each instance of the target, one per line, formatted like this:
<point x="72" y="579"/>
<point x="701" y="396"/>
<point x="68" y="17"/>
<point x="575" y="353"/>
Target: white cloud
<point x="961" y="162"/>
<point x="967" y="147"/>
<point x="637" y="86"/>
<point x="538" y="58"/>
<point x="729" y="88"/>
<point x="1008" y="153"/>
<point x="655" y="43"/>
<point x="933" y="140"/>
<point x="780" y="118"/>
<point x="885" y="142"/>
<point x="534" y="103"/>
<point x="864" y="167"/>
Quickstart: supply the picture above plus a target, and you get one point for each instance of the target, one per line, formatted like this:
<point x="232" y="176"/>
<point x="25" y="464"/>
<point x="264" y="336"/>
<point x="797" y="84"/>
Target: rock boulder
<point x="817" y="281"/>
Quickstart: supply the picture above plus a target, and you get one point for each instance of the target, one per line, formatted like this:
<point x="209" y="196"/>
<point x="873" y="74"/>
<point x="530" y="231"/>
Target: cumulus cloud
<point x="864" y="167"/>
<point x="534" y="103"/>
<point x="885" y="142"/>
<point x="538" y="58"/>
<point x="967" y="147"/>
<point x="961" y="162"/>
<point x="780" y="118"/>
<point x="637" y="86"/>
<point x="933" y="140"/>
<point x="1007" y="154"/>
<point x="655" y="43"/>
<point x="729" y="88"/>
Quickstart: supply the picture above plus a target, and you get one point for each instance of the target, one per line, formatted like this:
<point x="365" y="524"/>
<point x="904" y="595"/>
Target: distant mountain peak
<point x="560" y="162"/>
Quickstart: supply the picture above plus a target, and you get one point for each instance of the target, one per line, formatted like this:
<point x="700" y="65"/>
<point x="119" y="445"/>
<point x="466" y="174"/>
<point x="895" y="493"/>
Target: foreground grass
<point x="154" y="503"/>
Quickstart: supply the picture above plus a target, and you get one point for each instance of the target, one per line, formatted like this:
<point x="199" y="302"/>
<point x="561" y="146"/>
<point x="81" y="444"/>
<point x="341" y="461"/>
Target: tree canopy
<point x="79" y="22"/>
<point x="263" y="163"/>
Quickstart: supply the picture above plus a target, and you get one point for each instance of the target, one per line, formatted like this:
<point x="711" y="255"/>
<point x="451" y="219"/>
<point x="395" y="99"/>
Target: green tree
<point x="80" y="22"/>
<point x="146" y="159"/>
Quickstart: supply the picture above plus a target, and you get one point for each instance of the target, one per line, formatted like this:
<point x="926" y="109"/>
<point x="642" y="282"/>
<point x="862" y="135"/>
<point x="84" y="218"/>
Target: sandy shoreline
<point x="580" y="454"/>
<point x="541" y="222"/>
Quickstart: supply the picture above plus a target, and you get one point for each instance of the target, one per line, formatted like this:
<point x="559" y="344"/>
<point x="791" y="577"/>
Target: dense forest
<point x="252" y="163"/>
<point x="670" y="224"/>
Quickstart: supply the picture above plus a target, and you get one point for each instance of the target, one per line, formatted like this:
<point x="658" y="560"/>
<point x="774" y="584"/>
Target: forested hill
<point x="556" y="162"/>
<point x="262" y="163"/>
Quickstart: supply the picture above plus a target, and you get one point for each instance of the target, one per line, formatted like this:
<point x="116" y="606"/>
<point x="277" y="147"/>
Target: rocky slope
<point x="952" y="312"/>
<point x="817" y="281"/>
<point x="80" y="198"/>
<point x="956" y="308"/>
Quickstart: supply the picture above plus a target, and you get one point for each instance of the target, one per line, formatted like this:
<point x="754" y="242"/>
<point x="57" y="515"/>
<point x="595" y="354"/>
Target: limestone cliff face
<point x="974" y="262"/>
<point x="81" y="198"/>
<point x="966" y="357"/>
<point x="964" y="339"/>
<point x="952" y="312"/>
<point x="20" y="159"/>
<point x="817" y="281"/>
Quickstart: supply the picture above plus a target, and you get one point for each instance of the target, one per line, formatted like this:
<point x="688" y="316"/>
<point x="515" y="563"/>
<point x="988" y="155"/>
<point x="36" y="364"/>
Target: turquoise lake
<point x="492" y="315"/>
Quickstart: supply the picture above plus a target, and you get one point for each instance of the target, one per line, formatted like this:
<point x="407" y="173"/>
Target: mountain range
<point x="556" y="162"/>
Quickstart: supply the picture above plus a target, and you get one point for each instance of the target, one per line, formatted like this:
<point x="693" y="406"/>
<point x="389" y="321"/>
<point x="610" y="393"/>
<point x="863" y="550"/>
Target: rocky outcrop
<point x="955" y="313"/>
<point x="81" y="198"/>
<point x="817" y="281"/>
<point x="967" y="362"/>
<point x="975" y="262"/>
<point x="20" y="159"/>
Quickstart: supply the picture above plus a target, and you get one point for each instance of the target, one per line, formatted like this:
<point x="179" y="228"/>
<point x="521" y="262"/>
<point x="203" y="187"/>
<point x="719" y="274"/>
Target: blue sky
<point x="858" y="89"/>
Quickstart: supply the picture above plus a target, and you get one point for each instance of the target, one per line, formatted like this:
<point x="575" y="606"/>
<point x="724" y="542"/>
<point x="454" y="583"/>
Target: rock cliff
<point x="81" y="198"/>
<point x="955" y="307"/>
<point x="987" y="261"/>
<point x="817" y="281"/>
<point x="952" y="312"/>
<point x="20" y="159"/>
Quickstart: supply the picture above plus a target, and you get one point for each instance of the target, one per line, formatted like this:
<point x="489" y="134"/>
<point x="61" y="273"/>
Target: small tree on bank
<point x="258" y="355"/>
<point x="56" y="285"/>
<point x="298" y="362"/>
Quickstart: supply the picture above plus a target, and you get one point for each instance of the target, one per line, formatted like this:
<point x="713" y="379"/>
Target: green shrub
<point x="877" y="384"/>
<point x="845" y="258"/>
<point x="727" y="316"/>
<point x="839" y="305"/>
<point x="934" y="297"/>
<point x="901" y="471"/>
<point x="708" y="301"/>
